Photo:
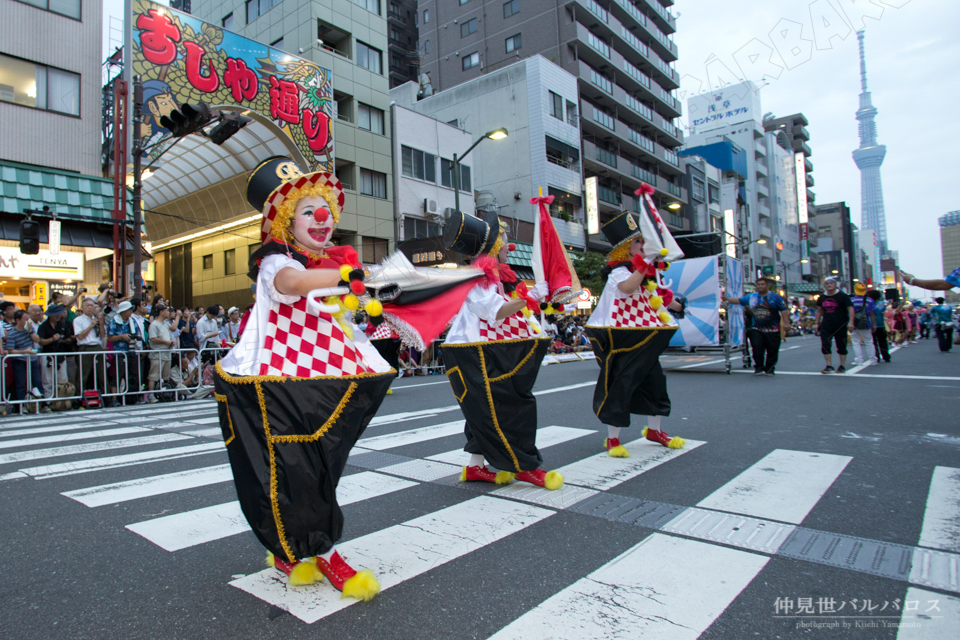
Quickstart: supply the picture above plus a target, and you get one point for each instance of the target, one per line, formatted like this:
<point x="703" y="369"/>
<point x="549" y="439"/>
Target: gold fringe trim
<point x="254" y="379"/>
<point x="281" y="532"/>
<point x="219" y="397"/>
<point x="319" y="433"/>
<point x="493" y="410"/>
<point x="462" y="382"/>
<point x="533" y="349"/>
<point x="480" y="344"/>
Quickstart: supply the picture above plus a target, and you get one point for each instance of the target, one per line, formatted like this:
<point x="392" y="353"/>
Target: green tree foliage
<point x="588" y="265"/>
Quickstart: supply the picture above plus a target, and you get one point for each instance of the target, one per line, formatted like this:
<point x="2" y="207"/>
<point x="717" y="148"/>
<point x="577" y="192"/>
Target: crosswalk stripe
<point x="114" y="462"/>
<point x="38" y="454"/>
<point x="67" y="437"/>
<point x="546" y="437"/>
<point x="934" y="616"/>
<point x="784" y="485"/>
<point x="413" y="436"/>
<point x="602" y="472"/>
<point x="401" y="552"/>
<point x="185" y="408"/>
<point x="645" y="592"/>
<point x="941" y="519"/>
<point x="152" y="486"/>
<point x="190" y="528"/>
<point x="204" y="433"/>
<point x="38" y="420"/>
<point x="62" y="427"/>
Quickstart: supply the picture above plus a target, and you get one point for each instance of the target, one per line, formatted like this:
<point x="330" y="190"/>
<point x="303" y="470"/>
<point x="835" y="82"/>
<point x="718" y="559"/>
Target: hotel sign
<point x="593" y="206"/>
<point x="67" y="265"/>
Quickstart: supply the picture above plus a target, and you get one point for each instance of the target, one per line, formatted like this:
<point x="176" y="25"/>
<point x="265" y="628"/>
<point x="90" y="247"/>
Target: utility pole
<point x="137" y="188"/>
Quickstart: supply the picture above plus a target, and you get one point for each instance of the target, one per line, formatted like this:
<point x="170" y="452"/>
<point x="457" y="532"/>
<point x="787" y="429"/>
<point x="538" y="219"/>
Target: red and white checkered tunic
<point x="635" y="311"/>
<point x="513" y="327"/>
<point x="382" y="332"/>
<point x="305" y="345"/>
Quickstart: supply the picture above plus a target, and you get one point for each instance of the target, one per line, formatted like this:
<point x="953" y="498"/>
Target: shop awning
<point x="74" y="234"/>
<point x="521" y="260"/>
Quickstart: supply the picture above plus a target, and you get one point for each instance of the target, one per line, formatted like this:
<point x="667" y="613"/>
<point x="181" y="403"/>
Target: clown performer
<point x="302" y="383"/>
<point x="492" y="353"/>
<point x="631" y="327"/>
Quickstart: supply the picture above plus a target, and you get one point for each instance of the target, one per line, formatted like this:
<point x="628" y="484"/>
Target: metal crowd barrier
<point x="430" y="364"/>
<point x="112" y="373"/>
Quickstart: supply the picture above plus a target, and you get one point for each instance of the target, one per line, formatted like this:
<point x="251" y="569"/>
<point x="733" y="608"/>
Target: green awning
<point x="73" y="194"/>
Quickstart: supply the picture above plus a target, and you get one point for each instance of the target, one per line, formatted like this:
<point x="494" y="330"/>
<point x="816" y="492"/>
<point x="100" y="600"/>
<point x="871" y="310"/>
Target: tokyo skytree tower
<point x="869" y="157"/>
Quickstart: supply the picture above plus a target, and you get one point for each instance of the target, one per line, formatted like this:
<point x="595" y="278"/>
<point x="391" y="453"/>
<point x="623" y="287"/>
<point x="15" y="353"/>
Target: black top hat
<point x="623" y="228"/>
<point x="269" y="174"/>
<point x="470" y="235"/>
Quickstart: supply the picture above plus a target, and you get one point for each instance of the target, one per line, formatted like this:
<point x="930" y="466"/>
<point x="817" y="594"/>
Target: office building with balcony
<point x="836" y="242"/>
<point x="50" y="116"/>
<point x="704" y="209"/>
<point x="767" y="195"/>
<point x="621" y="53"/>
<point x="531" y="98"/>
<point x="402" y="51"/>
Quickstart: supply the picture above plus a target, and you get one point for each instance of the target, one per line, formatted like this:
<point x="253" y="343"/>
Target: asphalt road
<point x="798" y="499"/>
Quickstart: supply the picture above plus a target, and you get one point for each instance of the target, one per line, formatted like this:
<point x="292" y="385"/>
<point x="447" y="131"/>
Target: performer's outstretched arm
<point x="631" y="284"/>
<point x="511" y="307"/>
<point x="291" y="282"/>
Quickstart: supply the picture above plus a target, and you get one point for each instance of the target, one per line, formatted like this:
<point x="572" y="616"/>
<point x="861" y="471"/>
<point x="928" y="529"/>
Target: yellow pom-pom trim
<point x="351" y="302"/>
<point x="665" y="317"/>
<point x="549" y="310"/>
<point x="345" y="270"/>
<point x="676" y="442"/>
<point x="664" y="251"/>
<point x="505" y="477"/>
<point x="374" y="308"/>
<point x="618" y="451"/>
<point x="656" y="302"/>
<point x="526" y="312"/>
<point x="651" y="286"/>
<point x="305" y="573"/>
<point x="362" y="586"/>
<point x="553" y="480"/>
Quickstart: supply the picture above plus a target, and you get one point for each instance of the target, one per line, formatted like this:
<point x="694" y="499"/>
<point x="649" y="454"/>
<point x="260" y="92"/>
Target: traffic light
<point x="229" y="124"/>
<point x="186" y="120"/>
<point x="29" y="237"/>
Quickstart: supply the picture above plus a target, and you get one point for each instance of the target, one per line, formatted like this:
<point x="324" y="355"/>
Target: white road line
<point x="602" y="472"/>
<point x="941" y="518"/>
<point x="40" y="420"/>
<point x="934" y="616"/>
<point x="546" y="437"/>
<point x="190" y="528"/>
<point x="401" y="438"/>
<point x="401" y="552"/>
<point x="152" y="486"/>
<point x="422" y="470"/>
<point x="664" y="587"/>
<point x="13" y="475"/>
<point x="568" y="387"/>
<point x="416" y="386"/>
<point x="696" y="364"/>
<point x="39" y="454"/>
<point x="204" y="433"/>
<point x="784" y="485"/>
<point x="114" y="462"/>
<point x="63" y="427"/>
<point x="67" y="437"/>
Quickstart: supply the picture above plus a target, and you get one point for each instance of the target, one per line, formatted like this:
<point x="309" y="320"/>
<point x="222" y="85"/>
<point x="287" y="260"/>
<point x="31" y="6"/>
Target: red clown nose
<point x="511" y="247"/>
<point x="321" y="215"/>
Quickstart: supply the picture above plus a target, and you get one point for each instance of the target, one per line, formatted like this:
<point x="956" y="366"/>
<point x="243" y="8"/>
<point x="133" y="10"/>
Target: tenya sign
<point x="67" y="265"/>
<point x="182" y="60"/>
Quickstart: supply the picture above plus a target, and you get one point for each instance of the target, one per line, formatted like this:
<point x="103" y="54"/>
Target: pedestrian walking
<point x="942" y="318"/>
<point x="834" y="320"/>
<point x="880" y="346"/>
<point x="862" y="334"/>
<point x="769" y="312"/>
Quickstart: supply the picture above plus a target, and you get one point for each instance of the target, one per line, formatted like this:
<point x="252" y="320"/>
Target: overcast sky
<point x="912" y="55"/>
<point x="912" y="71"/>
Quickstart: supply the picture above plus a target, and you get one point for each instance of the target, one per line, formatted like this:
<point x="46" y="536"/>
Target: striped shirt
<point x="17" y="339"/>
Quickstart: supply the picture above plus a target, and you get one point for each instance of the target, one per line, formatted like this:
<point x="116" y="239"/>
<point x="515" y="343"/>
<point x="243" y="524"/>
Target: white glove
<point x="540" y="290"/>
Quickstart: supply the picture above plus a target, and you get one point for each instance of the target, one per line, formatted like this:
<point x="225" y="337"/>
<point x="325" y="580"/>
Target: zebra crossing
<point x="714" y="548"/>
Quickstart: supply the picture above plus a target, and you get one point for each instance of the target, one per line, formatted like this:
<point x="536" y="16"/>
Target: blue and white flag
<point x="698" y="281"/>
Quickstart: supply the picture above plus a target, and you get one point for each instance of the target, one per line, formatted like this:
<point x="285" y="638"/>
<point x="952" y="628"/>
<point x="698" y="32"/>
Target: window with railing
<point x="673" y="189"/>
<point x="641" y="140"/>
<point x="607" y="157"/>
<point x="572" y="114"/>
<point x="698" y="190"/>
<point x="603" y="118"/>
<point x="636" y="74"/>
<point x="671" y="157"/>
<point x="598" y="44"/>
<point x="634" y="41"/>
<point x="643" y="174"/>
<point x="674" y="220"/>
<point x="609" y="195"/>
<point x="639" y="107"/>
<point x="630" y="8"/>
<point x="595" y="7"/>
<point x="601" y="81"/>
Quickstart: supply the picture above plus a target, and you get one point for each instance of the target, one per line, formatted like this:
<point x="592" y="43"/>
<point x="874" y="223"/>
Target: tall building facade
<point x="404" y="56"/>
<point x="869" y="157"/>
<point x="621" y="53"/>
<point x="50" y="119"/>
<point x="950" y="245"/>
<point x="838" y="246"/>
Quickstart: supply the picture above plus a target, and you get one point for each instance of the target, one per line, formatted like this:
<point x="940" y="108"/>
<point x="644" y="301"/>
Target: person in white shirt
<point x="89" y="330"/>
<point x="208" y="334"/>
<point x="161" y="342"/>
<point x="230" y="332"/>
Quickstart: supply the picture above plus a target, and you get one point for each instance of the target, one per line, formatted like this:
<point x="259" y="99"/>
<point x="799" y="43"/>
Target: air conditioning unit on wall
<point x="448" y="212"/>
<point x="429" y="206"/>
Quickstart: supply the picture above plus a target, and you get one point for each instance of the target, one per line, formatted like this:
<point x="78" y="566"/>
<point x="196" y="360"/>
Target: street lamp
<point x="496" y="134"/>
<point x="786" y="287"/>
